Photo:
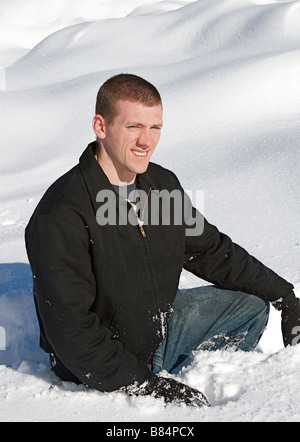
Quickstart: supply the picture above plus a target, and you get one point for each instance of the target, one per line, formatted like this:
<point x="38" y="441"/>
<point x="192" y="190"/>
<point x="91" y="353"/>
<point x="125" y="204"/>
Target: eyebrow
<point x="135" y="123"/>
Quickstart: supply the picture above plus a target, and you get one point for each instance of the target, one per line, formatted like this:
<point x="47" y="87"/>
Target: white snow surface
<point x="229" y="75"/>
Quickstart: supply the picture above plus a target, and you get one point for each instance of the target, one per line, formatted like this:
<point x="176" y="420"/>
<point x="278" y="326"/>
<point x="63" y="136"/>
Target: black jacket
<point x="103" y="294"/>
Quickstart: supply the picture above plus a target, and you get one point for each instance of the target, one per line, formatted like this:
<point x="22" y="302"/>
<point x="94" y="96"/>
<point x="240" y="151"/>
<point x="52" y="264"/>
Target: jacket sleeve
<point x="64" y="292"/>
<point x="215" y="258"/>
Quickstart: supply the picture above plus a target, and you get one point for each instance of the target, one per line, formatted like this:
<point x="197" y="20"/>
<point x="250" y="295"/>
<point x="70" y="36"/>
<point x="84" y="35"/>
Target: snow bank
<point x="23" y="25"/>
<point x="229" y="75"/>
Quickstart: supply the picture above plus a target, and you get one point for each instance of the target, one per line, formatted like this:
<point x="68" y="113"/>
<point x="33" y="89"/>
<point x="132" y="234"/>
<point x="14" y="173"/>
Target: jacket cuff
<point x="283" y="302"/>
<point x="278" y="290"/>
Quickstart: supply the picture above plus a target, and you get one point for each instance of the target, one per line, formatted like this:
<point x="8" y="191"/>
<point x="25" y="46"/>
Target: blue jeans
<point x="210" y="318"/>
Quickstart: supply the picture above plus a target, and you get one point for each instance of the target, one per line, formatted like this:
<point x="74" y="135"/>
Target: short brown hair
<point x="127" y="87"/>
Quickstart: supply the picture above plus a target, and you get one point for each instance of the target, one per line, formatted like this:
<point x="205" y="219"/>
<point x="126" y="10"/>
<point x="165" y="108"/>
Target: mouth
<point x="138" y="153"/>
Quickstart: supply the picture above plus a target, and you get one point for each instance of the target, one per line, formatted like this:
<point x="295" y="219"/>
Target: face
<point x="126" y="144"/>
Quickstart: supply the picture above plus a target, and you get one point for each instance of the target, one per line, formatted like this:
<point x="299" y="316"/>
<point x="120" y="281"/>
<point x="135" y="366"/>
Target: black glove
<point x="290" y="318"/>
<point x="171" y="391"/>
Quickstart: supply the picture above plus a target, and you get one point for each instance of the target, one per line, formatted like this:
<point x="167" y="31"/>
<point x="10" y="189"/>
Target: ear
<point x="99" y="126"/>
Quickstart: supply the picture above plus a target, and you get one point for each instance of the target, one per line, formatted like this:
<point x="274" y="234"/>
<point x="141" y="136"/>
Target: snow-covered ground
<point x="229" y="75"/>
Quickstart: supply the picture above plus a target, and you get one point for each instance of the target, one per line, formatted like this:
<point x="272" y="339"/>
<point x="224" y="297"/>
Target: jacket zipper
<point x="144" y="235"/>
<point x="140" y="219"/>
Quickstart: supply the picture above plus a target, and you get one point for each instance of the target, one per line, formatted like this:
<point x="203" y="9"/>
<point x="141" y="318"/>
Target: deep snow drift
<point x="229" y="75"/>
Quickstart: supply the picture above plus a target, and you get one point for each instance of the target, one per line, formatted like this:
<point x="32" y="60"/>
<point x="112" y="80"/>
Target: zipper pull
<point x="142" y="231"/>
<point x="142" y="216"/>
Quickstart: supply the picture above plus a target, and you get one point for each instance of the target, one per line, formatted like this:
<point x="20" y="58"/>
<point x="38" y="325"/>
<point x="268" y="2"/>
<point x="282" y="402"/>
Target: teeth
<point x="139" y="154"/>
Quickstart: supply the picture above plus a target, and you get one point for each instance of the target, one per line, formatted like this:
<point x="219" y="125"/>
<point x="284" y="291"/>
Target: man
<point x="106" y="286"/>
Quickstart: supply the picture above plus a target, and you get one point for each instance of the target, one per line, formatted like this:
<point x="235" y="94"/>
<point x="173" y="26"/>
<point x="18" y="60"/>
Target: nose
<point x="144" y="140"/>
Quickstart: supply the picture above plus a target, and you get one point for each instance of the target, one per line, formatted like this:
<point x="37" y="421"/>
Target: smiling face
<point x="127" y="143"/>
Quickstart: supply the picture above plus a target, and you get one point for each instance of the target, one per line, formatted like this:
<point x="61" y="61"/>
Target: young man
<point x="106" y="265"/>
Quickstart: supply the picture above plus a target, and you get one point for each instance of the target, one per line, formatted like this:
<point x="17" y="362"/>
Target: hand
<point x="290" y="319"/>
<point x="171" y="391"/>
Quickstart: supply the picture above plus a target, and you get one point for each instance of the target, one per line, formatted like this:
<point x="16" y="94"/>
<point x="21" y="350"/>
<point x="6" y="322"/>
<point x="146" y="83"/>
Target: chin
<point x="141" y="170"/>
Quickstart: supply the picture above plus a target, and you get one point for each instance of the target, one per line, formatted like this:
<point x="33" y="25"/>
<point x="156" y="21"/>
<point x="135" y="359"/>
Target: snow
<point x="229" y="75"/>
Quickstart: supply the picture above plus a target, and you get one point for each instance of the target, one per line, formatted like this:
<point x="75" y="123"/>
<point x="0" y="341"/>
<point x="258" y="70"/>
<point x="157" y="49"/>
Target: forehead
<point x="129" y="111"/>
